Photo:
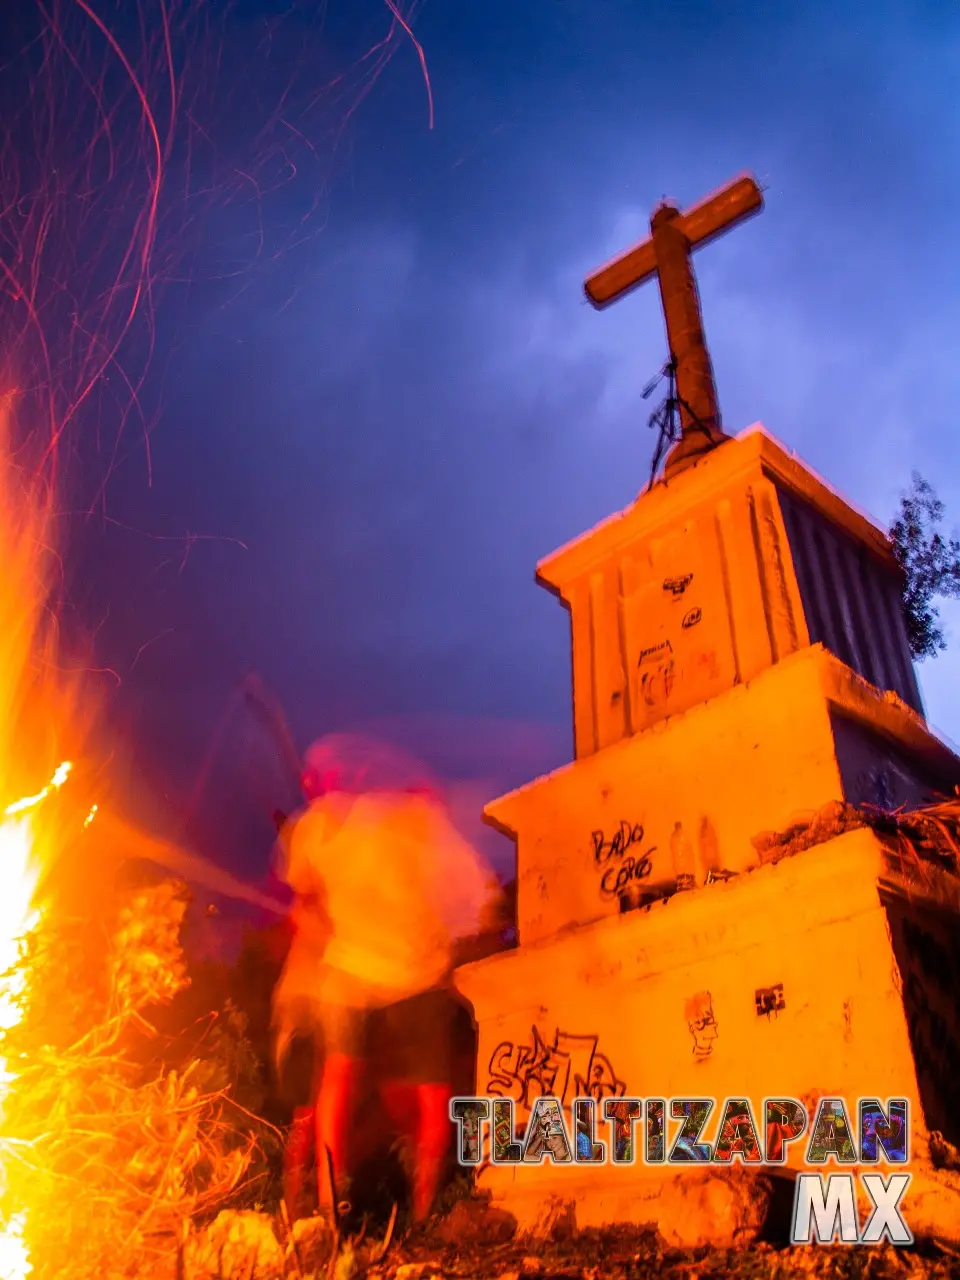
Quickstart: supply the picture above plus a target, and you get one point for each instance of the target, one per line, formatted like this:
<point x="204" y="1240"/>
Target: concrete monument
<point x="740" y="665"/>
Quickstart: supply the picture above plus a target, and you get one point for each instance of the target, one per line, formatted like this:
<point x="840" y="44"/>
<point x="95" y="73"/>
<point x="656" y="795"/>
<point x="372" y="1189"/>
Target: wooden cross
<point x="674" y="236"/>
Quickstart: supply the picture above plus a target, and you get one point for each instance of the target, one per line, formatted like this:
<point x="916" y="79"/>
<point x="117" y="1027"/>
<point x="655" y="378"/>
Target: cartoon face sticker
<point x="701" y="1023"/>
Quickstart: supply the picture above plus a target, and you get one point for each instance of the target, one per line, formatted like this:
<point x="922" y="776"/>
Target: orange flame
<point x="19" y="916"/>
<point x="36" y="709"/>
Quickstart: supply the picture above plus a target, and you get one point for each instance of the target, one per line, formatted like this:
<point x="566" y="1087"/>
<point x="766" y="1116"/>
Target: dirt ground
<point x="477" y="1244"/>
<point x="614" y="1254"/>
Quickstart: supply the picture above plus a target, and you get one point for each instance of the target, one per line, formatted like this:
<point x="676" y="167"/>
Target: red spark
<point x="142" y="128"/>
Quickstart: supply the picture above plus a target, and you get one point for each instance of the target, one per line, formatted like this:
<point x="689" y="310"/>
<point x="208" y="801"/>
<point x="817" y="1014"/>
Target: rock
<point x="345" y="1266"/>
<point x="559" y="1222"/>
<point x="833" y="819"/>
<point x="931" y="1206"/>
<point x="943" y="1154"/>
<point x="416" y="1270"/>
<point x="715" y="1208"/>
<point x="472" y="1221"/>
<point x="235" y="1245"/>
<point x="765" y="841"/>
<point x="313" y="1238"/>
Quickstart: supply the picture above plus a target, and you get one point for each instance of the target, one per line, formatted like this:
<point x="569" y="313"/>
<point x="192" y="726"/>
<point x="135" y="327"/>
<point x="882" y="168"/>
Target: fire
<point x="20" y="868"/>
<point x="36" y="710"/>
<point x="105" y="1149"/>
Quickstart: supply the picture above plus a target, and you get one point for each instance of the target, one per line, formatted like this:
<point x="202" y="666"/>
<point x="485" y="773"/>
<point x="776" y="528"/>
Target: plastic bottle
<point x="682" y="855"/>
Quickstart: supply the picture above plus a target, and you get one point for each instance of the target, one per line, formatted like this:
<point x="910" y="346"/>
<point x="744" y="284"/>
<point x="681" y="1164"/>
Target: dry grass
<point x="109" y="1150"/>
<point x="921" y="838"/>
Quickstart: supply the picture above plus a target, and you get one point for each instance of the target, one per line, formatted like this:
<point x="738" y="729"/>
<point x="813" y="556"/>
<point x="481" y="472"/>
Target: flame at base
<point x="14" y="1256"/>
<point x="19" y="875"/>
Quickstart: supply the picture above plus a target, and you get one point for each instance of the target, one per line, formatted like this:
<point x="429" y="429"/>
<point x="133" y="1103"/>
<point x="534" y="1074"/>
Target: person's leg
<point x="296" y="1068"/>
<point x="340" y="1082"/>
<point x="296" y="1160"/>
<point x="432" y="1145"/>
<point x="419" y="1033"/>
<point x="399" y="1099"/>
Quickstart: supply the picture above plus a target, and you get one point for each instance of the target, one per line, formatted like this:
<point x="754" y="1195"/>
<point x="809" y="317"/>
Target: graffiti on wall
<point x="670" y="657"/>
<point x="702" y="1024"/>
<point x="621" y="858"/>
<point x="660" y="675"/>
<point x="658" y="679"/>
<point x="565" y="1067"/>
<point x="657" y="672"/>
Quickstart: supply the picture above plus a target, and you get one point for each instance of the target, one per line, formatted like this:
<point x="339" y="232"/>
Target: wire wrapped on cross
<point x="666" y="417"/>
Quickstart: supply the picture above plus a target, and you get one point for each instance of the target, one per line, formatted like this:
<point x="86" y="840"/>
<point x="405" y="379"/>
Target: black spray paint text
<point x="621" y="870"/>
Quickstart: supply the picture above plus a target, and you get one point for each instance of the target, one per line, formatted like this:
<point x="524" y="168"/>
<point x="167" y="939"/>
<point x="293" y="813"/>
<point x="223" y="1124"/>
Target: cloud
<point x="411" y="412"/>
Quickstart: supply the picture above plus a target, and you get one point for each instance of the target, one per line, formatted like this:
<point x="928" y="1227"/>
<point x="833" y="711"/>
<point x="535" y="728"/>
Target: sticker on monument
<point x="769" y="1000"/>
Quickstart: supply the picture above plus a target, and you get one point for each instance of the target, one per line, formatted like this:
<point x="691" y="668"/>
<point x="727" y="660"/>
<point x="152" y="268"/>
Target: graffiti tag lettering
<point x="646" y="654"/>
<point x="621" y="871"/>
<point x="567" y="1067"/>
<point x="677" y="586"/>
<point x="616" y="880"/>
<point x="691" y="618"/>
<point x="626" y="834"/>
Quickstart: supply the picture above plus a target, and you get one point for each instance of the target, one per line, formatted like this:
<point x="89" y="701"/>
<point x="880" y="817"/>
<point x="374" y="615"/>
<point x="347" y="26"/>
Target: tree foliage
<point x="931" y="566"/>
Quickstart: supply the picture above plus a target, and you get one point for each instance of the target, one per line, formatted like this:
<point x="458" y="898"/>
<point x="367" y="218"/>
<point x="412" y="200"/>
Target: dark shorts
<point x="409" y="1042"/>
<point x="298" y="1072"/>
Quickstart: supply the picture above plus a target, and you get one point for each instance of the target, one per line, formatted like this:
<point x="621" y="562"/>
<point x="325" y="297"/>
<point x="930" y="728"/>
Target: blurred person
<point x="297" y="1028"/>
<point x="375" y="857"/>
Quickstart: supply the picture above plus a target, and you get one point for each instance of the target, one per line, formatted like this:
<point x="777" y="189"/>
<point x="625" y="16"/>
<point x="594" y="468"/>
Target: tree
<point x="931" y="566"/>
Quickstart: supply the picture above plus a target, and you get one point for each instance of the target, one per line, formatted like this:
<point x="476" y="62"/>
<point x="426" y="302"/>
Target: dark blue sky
<point x="398" y="416"/>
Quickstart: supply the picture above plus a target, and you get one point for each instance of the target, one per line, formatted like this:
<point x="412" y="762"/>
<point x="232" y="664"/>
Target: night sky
<point x="380" y="430"/>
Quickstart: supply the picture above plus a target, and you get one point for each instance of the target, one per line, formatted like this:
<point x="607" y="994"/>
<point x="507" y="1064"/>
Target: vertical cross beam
<point x="696" y="387"/>
<point x="674" y="236"/>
